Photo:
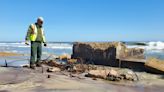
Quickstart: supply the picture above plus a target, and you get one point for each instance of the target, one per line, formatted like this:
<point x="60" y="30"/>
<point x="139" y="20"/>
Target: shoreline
<point x="4" y="54"/>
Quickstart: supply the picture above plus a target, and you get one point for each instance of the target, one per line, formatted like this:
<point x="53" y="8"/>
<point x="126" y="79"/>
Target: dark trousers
<point x="36" y="52"/>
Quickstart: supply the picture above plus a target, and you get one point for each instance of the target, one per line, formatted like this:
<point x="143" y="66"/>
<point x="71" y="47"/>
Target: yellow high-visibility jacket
<point x="32" y="33"/>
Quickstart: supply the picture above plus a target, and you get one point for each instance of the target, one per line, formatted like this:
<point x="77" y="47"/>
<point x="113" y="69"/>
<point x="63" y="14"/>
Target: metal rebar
<point x="119" y="63"/>
<point x="6" y="65"/>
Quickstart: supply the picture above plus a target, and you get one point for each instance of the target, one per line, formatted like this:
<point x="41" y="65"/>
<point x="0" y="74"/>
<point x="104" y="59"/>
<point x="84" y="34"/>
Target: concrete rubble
<point x="86" y="55"/>
<point x="92" y="71"/>
<point x="53" y="69"/>
<point x="111" y="75"/>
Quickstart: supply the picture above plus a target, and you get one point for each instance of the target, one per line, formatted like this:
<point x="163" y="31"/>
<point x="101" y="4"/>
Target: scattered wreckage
<point x="77" y="66"/>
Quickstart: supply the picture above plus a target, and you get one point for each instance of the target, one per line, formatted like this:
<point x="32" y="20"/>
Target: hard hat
<point x="40" y="18"/>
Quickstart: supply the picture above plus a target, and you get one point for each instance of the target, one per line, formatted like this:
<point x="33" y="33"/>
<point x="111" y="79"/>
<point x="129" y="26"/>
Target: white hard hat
<point x="40" y="18"/>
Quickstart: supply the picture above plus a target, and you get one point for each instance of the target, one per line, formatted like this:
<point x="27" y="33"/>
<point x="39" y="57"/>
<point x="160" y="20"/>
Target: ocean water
<point x="152" y="49"/>
<point x="53" y="49"/>
<point x="56" y="48"/>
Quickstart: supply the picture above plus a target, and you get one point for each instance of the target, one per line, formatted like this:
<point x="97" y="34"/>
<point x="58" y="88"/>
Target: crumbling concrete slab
<point x="155" y="65"/>
<point x="105" y="53"/>
<point x="112" y="75"/>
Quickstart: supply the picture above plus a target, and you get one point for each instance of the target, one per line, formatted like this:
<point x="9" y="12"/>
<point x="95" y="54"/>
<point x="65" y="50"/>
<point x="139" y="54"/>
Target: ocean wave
<point x="149" y="46"/>
<point x="159" y="45"/>
<point x="50" y="45"/>
<point x="24" y="46"/>
<point x="59" y="47"/>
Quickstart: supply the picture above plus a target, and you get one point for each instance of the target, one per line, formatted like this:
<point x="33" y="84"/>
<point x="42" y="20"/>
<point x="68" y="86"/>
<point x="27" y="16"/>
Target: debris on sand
<point x="72" y="61"/>
<point x="48" y="76"/>
<point x="76" y="66"/>
<point x="53" y="63"/>
<point x="64" y="57"/>
<point x="53" y="69"/>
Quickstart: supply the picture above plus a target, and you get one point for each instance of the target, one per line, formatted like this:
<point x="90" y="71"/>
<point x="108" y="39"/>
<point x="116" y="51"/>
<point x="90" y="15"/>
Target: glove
<point x="26" y="43"/>
<point x="45" y="44"/>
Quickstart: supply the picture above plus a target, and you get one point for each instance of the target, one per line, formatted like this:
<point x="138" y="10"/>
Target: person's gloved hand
<point x="26" y="42"/>
<point x="45" y="44"/>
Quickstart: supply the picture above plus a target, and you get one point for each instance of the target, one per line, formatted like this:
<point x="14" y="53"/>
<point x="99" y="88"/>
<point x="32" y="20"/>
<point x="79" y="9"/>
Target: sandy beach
<point x="27" y="80"/>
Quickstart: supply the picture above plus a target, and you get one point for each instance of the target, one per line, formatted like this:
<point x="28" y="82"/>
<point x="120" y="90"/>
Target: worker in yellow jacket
<point x="35" y="35"/>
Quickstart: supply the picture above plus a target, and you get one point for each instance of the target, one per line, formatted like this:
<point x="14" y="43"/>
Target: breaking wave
<point x="60" y="46"/>
<point x="149" y="46"/>
<point x="50" y="45"/>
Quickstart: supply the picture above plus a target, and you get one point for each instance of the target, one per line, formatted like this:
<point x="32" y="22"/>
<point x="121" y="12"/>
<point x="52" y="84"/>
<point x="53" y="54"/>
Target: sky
<point x="84" y="20"/>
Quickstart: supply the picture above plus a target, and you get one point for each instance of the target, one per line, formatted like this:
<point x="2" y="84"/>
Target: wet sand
<point x="27" y="80"/>
<point x="9" y="54"/>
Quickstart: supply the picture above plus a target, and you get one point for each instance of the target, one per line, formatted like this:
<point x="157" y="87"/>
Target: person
<point x="35" y="35"/>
